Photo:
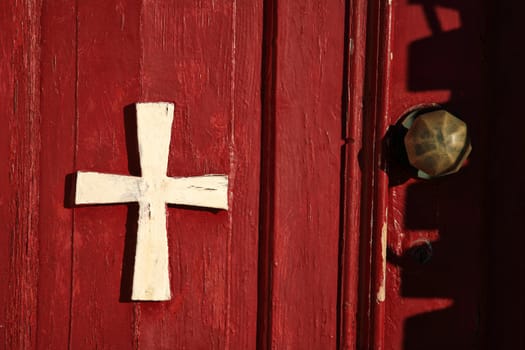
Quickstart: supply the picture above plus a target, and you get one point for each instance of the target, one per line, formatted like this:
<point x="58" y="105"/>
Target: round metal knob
<point x="437" y="143"/>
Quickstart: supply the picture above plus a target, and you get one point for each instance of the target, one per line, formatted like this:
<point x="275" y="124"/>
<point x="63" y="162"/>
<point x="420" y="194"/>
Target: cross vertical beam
<point x="151" y="272"/>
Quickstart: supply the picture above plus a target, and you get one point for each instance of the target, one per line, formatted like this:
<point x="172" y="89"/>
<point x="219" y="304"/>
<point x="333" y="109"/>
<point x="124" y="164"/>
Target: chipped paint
<point x="382" y="289"/>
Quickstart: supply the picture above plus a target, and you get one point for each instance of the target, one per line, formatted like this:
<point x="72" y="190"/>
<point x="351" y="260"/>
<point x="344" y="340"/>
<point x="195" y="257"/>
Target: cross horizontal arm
<point x="209" y="191"/>
<point x="97" y="188"/>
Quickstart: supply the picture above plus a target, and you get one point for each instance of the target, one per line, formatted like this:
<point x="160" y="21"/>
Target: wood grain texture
<point x="204" y="56"/>
<point x="504" y="177"/>
<point x="353" y="98"/>
<point x="77" y="66"/>
<point x="19" y="166"/>
<point x="302" y="148"/>
<point x="57" y="156"/>
<point x="107" y="79"/>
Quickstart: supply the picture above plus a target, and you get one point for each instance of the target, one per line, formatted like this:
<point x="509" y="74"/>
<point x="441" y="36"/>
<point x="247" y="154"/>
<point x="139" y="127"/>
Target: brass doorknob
<point x="437" y="143"/>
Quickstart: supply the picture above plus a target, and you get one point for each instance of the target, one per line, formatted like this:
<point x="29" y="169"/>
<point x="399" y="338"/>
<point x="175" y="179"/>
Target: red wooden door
<point x="438" y="268"/>
<point x="72" y="71"/>
<point x="427" y="284"/>
<point x="293" y="100"/>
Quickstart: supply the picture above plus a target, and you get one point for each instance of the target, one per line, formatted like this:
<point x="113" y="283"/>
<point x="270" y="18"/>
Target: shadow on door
<point x="476" y="262"/>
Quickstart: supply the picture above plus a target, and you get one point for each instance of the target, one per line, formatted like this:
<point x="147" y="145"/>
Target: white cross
<point x="152" y="191"/>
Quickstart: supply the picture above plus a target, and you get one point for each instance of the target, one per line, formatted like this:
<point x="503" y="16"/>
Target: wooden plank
<point x="57" y="110"/>
<point x="374" y="213"/>
<point x="354" y="76"/>
<point x="244" y="176"/>
<point x="19" y="165"/>
<point x="302" y="149"/>
<point x="436" y="304"/>
<point x="204" y="56"/>
<point x="107" y="80"/>
<point x="503" y="175"/>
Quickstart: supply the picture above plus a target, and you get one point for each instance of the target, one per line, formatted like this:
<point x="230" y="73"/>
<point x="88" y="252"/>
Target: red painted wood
<point x="107" y="79"/>
<point x="19" y="165"/>
<point x="267" y="193"/>
<point x="209" y="65"/>
<point x="302" y="149"/>
<point x="356" y="23"/>
<point x="69" y="70"/>
<point x="200" y="64"/>
<point x="372" y="286"/>
<point x="426" y="55"/>
<point x="58" y="114"/>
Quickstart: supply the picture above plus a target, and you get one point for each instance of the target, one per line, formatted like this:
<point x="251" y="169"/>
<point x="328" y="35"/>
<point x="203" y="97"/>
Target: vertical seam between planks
<point x="267" y="176"/>
<point x="340" y="301"/>
<point x="375" y="187"/>
<point x="364" y="327"/>
<point x="32" y="245"/>
<point x="75" y="153"/>
<point x="340" y="304"/>
<point x="380" y="230"/>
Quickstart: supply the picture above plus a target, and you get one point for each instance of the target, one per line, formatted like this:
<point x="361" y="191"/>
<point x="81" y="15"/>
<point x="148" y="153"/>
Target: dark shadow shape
<point x="267" y="174"/>
<point x="130" y="243"/>
<point x="345" y="109"/>
<point x="194" y="208"/>
<point x="429" y="277"/>
<point x="396" y="162"/>
<point x="70" y="190"/>
<point x="132" y="140"/>
<point x="449" y="205"/>
<point x="422" y="200"/>
<point x="440" y="276"/>
<point x="432" y="18"/>
<point x="419" y="254"/>
<point x="440" y="62"/>
<point x="446" y="59"/>
<point x="450" y="60"/>
<point x="341" y="243"/>
<point x="433" y="336"/>
<point x="128" y="258"/>
<point x="130" y="246"/>
<point x="407" y="263"/>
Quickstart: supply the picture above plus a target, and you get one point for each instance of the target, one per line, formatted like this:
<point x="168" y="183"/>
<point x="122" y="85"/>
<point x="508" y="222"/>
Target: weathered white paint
<point x="381" y="293"/>
<point x="152" y="191"/>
